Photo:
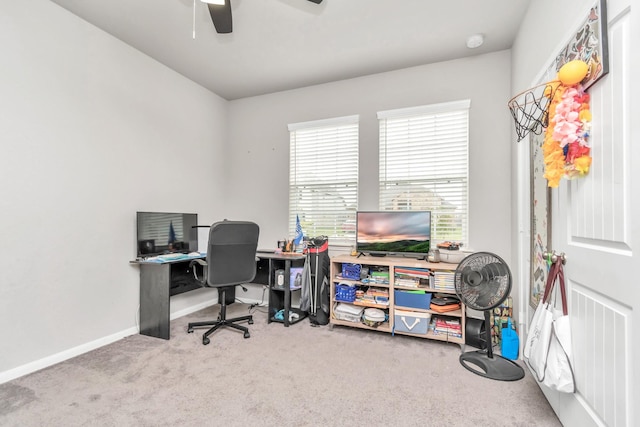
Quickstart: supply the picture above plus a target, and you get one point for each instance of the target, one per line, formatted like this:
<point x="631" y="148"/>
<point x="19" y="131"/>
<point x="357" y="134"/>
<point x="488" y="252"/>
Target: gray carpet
<point x="296" y="376"/>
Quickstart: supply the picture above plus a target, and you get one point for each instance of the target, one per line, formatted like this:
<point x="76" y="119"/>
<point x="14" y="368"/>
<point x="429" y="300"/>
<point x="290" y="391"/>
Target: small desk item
<point x="280" y="297"/>
<point x="265" y="251"/>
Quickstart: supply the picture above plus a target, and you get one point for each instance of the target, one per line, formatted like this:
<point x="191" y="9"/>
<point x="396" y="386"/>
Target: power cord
<point x="137" y="318"/>
<point x="254" y="305"/>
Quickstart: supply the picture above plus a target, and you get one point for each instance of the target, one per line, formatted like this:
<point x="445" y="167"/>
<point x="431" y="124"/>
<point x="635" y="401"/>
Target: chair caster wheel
<point x="250" y="321"/>
<point x="205" y="341"/>
<point x="246" y="335"/>
<point x="189" y="331"/>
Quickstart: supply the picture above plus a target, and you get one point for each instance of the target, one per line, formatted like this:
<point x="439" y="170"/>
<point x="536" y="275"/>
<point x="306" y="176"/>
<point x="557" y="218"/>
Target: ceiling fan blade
<point x="221" y="17"/>
<point x="316" y="1"/>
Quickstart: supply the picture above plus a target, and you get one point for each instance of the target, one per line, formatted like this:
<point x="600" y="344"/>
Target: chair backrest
<point x="231" y="253"/>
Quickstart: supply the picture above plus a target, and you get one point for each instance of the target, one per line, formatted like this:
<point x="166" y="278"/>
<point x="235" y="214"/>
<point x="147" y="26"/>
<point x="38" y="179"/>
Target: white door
<point x="595" y="223"/>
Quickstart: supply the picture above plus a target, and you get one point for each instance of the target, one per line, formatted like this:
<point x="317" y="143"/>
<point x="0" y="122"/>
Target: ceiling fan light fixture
<point x="218" y="2"/>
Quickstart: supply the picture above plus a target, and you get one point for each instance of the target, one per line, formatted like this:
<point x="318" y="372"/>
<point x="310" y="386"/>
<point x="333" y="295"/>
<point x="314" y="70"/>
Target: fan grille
<point x="482" y="281"/>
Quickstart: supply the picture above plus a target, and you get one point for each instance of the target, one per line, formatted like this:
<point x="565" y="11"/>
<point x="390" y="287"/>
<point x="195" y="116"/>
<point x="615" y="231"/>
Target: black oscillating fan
<point x="483" y="282"/>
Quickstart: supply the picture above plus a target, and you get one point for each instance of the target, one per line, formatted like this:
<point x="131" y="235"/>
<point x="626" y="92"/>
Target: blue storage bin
<point x="413" y="299"/>
<point x="345" y="292"/>
<point x="411" y="321"/>
<point x="351" y="271"/>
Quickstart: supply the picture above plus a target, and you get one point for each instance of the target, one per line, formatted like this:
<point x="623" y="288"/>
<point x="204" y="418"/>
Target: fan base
<point x="495" y="367"/>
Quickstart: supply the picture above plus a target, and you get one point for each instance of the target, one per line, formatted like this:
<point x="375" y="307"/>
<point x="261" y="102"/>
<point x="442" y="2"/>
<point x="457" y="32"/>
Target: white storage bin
<point x="453" y="257"/>
<point x="348" y="312"/>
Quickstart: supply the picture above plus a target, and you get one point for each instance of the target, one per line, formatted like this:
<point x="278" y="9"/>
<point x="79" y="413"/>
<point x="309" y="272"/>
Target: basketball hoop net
<point x="530" y="108"/>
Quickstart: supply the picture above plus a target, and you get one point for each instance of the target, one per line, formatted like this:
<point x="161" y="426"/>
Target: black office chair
<point x="231" y="261"/>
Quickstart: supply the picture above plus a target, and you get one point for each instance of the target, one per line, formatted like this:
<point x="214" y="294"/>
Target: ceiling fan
<point x="220" y="11"/>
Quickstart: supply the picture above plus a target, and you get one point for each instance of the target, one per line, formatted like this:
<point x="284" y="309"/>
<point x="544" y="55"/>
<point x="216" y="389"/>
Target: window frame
<point x="343" y="168"/>
<point x="439" y="192"/>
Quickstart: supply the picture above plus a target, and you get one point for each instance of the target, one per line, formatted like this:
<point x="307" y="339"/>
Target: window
<point x="323" y="177"/>
<point x="424" y="155"/>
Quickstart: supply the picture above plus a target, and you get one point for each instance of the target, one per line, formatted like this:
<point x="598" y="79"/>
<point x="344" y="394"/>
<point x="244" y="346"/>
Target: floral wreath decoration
<point x="566" y="148"/>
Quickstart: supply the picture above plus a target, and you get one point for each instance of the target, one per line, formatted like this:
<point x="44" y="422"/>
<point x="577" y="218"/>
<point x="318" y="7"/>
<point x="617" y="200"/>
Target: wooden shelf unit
<point x="391" y="263"/>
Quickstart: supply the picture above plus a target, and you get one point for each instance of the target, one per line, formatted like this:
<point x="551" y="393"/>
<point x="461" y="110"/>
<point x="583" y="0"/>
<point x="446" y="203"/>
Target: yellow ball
<point x="573" y="72"/>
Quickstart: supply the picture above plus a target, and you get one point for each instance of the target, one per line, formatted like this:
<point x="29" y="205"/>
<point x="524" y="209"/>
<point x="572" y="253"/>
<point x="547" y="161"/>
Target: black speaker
<point x="475" y="333"/>
<point x="147" y="246"/>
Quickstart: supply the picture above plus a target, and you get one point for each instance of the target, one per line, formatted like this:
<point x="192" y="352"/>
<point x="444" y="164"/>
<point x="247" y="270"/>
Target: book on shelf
<point x="380" y="280"/>
<point x="407" y="282"/>
<point x="444" y="280"/>
<point x="446" y="326"/>
<point x="373" y="297"/>
<point x="412" y="272"/>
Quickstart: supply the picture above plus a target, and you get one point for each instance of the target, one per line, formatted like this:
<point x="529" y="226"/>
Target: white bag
<point x="539" y="329"/>
<point x="548" y="345"/>
<point x="559" y="373"/>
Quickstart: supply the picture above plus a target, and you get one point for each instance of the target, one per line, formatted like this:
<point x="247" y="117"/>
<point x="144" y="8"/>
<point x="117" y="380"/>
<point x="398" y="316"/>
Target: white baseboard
<point x="84" y="348"/>
<point x="64" y="355"/>
<point x="193" y="308"/>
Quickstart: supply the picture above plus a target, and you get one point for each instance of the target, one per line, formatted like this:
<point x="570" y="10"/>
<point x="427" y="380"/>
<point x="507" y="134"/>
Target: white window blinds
<point x="424" y="155"/>
<point x="323" y="177"/>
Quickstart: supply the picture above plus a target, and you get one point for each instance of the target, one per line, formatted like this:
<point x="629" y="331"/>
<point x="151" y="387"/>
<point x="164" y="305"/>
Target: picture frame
<point x="540" y="211"/>
<point x="590" y="44"/>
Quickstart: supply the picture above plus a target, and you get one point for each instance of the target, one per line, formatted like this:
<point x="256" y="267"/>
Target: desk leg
<point x="154" y="300"/>
<point x="287" y="291"/>
<point x="272" y="299"/>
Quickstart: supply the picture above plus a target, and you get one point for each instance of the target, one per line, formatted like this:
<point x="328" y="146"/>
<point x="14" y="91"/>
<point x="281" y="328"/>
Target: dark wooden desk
<point x="158" y="282"/>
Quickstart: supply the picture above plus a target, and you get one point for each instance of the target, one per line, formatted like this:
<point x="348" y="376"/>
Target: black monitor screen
<point x="164" y="232"/>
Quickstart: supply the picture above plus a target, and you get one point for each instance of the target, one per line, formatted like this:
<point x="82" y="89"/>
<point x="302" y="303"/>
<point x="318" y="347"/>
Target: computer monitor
<point x="166" y="232"/>
<point x="406" y="233"/>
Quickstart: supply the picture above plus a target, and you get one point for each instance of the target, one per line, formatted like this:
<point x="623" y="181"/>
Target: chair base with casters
<point x="224" y="294"/>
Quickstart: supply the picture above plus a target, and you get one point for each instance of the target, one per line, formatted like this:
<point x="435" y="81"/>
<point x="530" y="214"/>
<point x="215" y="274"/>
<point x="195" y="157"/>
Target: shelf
<point x="345" y="280"/>
<point x="431" y="335"/>
<point x="367" y="304"/>
<point x="275" y="288"/>
<point x="452" y="313"/>
<point x="391" y="263"/>
<point x="422" y="288"/>
<point x="385" y="327"/>
<point x="301" y="316"/>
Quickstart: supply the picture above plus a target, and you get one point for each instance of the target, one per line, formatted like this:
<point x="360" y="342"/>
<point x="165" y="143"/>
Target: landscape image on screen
<point x="394" y="232"/>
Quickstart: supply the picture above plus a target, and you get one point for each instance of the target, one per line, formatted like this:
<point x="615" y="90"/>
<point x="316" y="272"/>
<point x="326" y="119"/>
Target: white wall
<point x="259" y="142"/>
<point x="259" y="139"/>
<point x="91" y="131"/>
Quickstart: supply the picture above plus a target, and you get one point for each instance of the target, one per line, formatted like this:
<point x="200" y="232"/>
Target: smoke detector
<point x="475" y="41"/>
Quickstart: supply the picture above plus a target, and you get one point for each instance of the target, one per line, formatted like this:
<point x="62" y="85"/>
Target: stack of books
<point x="372" y="297"/>
<point x="379" y="277"/>
<point x="411" y="277"/>
<point x="443" y="281"/>
<point x="446" y="326"/>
